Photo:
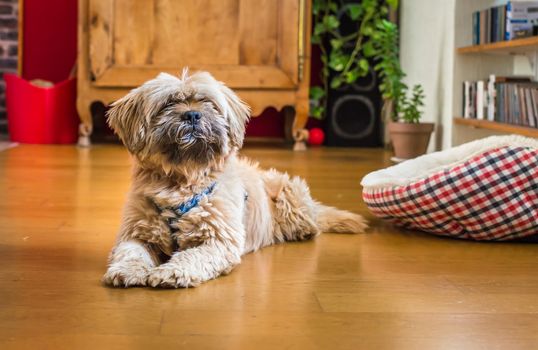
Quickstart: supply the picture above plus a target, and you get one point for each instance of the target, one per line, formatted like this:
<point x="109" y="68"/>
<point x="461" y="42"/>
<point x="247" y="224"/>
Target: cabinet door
<point x="245" y="43"/>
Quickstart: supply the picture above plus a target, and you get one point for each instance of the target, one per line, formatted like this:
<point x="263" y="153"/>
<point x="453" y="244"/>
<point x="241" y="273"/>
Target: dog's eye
<point x="168" y="105"/>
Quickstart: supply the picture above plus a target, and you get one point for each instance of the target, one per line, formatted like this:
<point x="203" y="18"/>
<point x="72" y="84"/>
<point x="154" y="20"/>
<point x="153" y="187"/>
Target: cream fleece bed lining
<point x="415" y="169"/>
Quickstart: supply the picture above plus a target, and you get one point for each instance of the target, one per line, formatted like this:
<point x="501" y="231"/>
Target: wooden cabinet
<point x="260" y="48"/>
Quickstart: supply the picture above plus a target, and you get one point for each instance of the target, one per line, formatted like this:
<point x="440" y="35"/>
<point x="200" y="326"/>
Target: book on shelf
<point x="466" y="99"/>
<point x="490" y="98"/>
<point x="512" y="100"/>
<point x="521" y="19"/>
<point x="480" y="100"/>
<point x="514" y="20"/>
<point x="473" y="99"/>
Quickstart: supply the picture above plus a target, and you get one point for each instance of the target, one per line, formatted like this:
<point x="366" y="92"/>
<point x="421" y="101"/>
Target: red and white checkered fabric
<point x="493" y="197"/>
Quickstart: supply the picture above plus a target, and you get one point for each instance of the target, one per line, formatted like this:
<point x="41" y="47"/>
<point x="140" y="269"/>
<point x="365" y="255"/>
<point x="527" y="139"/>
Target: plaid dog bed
<point x="490" y="193"/>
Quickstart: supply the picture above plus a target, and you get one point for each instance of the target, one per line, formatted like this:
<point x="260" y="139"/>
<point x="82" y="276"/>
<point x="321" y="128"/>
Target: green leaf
<point x="319" y="29"/>
<point x="393" y="4"/>
<point x="388" y="25"/>
<point x="336" y="82"/>
<point x="354" y="11"/>
<point x="363" y="64"/>
<point x="368" y="30"/>
<point x="337" y="61"/>
<point x="370" y="9"/>
<point x="331" y="22"/>
<point x="336" y="44"/>
<point x="333" y="7"/>
<point x="368" y="49"/>
<point x="316" y="92"/>
<point x="317" y="112"/>
<point x="352" y="76"/>
<point x="315" y="39"/>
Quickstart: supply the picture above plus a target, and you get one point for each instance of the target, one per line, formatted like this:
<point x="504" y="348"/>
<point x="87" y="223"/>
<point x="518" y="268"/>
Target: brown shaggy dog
<point x="195" y="207"/>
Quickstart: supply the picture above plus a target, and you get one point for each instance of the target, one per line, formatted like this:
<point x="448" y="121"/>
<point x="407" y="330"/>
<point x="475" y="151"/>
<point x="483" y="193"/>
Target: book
<point x="490" y="98"/>
<point x="512" y="105"/>
<point x="534" y="97"/>
<point x="476" y="28"/>
<point x="487" y="26"/>
<point x="523" y="120"/>
<point x="516" y="19"/>
<point x="503" y="99"/>
<point x="493" y="24"/>
<point x="529" y="108"/>
<point x="506" y="100"/>
<point x="498" y="101"/>
<point x="520" y="18"/>
<point x="499" y="23"/>
<point x="472" y="100"/>
<point x="480" y="100"/>
<point x="466" y="99"/>
<point x="502" y="22"/>
<point x="483" y="27"/>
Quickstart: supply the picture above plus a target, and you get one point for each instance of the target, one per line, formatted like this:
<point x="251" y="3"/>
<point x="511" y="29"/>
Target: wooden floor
<point x="388" y="289"/>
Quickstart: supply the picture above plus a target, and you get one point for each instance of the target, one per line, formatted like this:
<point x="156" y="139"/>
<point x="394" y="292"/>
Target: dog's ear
<point x="126" y="118"/>
<point x="237" y="114"/>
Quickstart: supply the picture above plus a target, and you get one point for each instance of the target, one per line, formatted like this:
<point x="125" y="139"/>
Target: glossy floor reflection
<point x="388" y="289"/>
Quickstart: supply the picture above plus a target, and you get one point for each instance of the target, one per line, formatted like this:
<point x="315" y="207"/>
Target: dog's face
<point x="178" y="120"/>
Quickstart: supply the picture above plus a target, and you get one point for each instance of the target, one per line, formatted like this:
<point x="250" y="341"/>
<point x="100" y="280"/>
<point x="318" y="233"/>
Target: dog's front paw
<point x="126" y="275"/>
<point x="173" y="276"/>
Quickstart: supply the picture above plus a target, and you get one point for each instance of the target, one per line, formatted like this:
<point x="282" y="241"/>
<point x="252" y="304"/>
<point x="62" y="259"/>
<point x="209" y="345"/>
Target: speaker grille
<point x="353" y="117"/>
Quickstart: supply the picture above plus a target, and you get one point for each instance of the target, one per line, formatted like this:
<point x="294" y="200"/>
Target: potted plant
<point x="401" y="108"/>
<point x="409" y="136"/>
<point x="376" y="39"/>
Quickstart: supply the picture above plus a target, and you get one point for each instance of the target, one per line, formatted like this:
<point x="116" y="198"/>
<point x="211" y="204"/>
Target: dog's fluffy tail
<point x="330" y="219"/>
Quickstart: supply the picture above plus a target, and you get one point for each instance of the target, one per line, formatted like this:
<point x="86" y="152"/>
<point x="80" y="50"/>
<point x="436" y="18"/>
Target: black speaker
<point x="354" y="112"/>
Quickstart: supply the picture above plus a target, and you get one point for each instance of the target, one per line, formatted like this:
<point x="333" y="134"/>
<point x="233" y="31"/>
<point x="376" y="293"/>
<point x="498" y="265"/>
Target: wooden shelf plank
<point x="502" y="127"/>
<point x="507" y="47"/>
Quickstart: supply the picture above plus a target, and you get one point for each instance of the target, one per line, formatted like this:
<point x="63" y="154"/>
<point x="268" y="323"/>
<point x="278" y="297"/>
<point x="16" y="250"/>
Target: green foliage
<point x="392" y="87"/>
<point x="387" y="52"/>
<point x="347" y="65"/>
<point x="409" y="108"/>
<point x="316" y="94"/>
<point x="375" y="38"/>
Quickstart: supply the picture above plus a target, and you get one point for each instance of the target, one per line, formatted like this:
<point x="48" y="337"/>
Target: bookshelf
<point x="513" y="47"/>
<point x="495" y="126"/>
<point x="477" y="62"/>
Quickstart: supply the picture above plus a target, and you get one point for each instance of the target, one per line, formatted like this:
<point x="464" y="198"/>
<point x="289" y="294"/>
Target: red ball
<point x="316" y="137"/>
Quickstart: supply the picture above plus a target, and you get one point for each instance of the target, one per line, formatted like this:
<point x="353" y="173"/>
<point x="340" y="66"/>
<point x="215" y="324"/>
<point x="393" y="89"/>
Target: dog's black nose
<point x="192" y="116"/>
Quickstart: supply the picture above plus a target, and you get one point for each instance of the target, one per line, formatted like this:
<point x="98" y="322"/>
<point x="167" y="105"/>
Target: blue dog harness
<point x="183" y="208"/>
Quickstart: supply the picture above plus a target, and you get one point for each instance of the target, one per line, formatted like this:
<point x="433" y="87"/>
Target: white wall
<point x="431" y="30"/>
<point x="427" y="56"/>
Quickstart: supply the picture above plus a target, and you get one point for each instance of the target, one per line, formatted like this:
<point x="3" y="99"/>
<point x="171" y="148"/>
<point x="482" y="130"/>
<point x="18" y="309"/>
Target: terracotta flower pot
<point x="410" y="140"/>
